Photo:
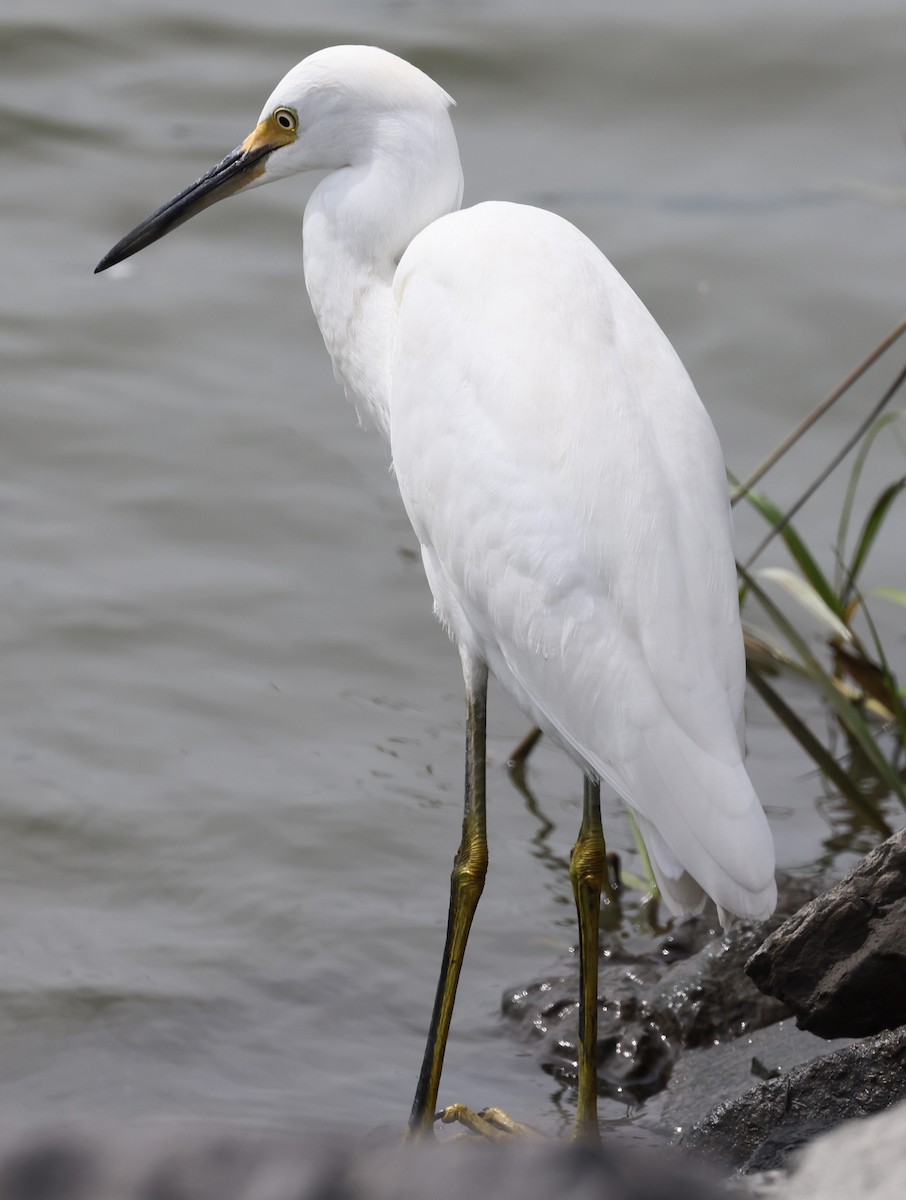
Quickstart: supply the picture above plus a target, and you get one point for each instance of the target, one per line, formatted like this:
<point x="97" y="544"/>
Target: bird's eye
<point x="286" y="119"/>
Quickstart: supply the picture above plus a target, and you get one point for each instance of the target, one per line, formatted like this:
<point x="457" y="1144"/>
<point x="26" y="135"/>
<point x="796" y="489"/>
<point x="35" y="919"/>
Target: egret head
<point x="333" y="110"/>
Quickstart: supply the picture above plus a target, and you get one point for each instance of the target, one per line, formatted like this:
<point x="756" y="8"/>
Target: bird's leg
<point x="586" y="869"/>
<point x="469" y="870"/>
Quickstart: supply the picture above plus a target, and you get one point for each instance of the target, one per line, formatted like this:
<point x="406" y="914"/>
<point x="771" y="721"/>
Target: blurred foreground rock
<point x="124" y="1165"/>
<point x="863" y="1160"/>
<point x="840" y="962"/>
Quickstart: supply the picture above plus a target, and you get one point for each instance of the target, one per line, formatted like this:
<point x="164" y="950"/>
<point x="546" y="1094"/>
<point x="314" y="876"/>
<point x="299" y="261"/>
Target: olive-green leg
<point x="586" y="868"/>
<point x="466" y="884"/>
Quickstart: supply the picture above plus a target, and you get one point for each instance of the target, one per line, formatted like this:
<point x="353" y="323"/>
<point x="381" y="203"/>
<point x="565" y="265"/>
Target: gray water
<point x="230" y="730"/>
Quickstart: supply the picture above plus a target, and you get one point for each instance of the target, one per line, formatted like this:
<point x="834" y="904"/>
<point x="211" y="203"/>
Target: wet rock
<point x="117" y="1165"/>
<point x="714" y="1074"/>
<point x="840" y="962"/>
<point x="708" y="994"/>
<point x="660" y="995"/>
<point x="758" y="1130"/>
<point x="635" y="1057"/>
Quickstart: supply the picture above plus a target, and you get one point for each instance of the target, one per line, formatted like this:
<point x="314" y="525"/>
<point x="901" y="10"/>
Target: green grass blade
<point x="799" y="551"/>
<point x="894" y="595"/>
<point x="653" y="888"/>
<point x="819" y="754"/>
<point x="870" y="531"/>
<point x="854" y="477"/>
<point x="847" y="713"/>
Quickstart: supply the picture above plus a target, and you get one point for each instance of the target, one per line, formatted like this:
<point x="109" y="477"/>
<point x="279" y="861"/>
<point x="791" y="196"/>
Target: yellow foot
<point x="491" y="1123"/>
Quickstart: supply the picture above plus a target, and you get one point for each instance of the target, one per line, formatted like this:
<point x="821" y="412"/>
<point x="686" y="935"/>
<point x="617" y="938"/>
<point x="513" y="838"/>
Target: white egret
<point x="560" y="472"/>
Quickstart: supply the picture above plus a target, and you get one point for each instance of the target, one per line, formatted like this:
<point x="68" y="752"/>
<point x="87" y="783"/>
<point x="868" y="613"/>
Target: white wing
<point x="569" y="494"/>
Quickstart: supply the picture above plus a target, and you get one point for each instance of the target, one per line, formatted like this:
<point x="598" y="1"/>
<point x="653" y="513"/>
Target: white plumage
<point x="569" y="494"/>
<point x="561" y="474"/>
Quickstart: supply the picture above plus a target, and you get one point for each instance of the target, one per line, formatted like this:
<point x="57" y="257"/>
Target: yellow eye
<point x="286" y="119"/>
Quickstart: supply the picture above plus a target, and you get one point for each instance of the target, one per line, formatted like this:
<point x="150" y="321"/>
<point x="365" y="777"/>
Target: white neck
<point x="358" y="223"/>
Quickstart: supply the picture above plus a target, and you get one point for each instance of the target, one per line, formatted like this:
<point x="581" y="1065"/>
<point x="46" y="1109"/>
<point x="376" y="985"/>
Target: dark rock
<point x="711" y="1075"/>
<point x="840" y="962"/>
<point x="708" y="995"/>
<point x="759" y="1130"/>
<point x="660" y="994"/>
<point x="124" y="1165"/>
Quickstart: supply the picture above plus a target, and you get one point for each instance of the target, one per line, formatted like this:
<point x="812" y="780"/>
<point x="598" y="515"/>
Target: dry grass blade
<point x="817" y="412"/>
<point x="831" y="466"/>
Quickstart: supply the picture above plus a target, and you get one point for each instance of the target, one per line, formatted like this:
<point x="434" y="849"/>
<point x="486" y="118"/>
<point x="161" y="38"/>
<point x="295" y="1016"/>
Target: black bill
<point x="235" y="172"/>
